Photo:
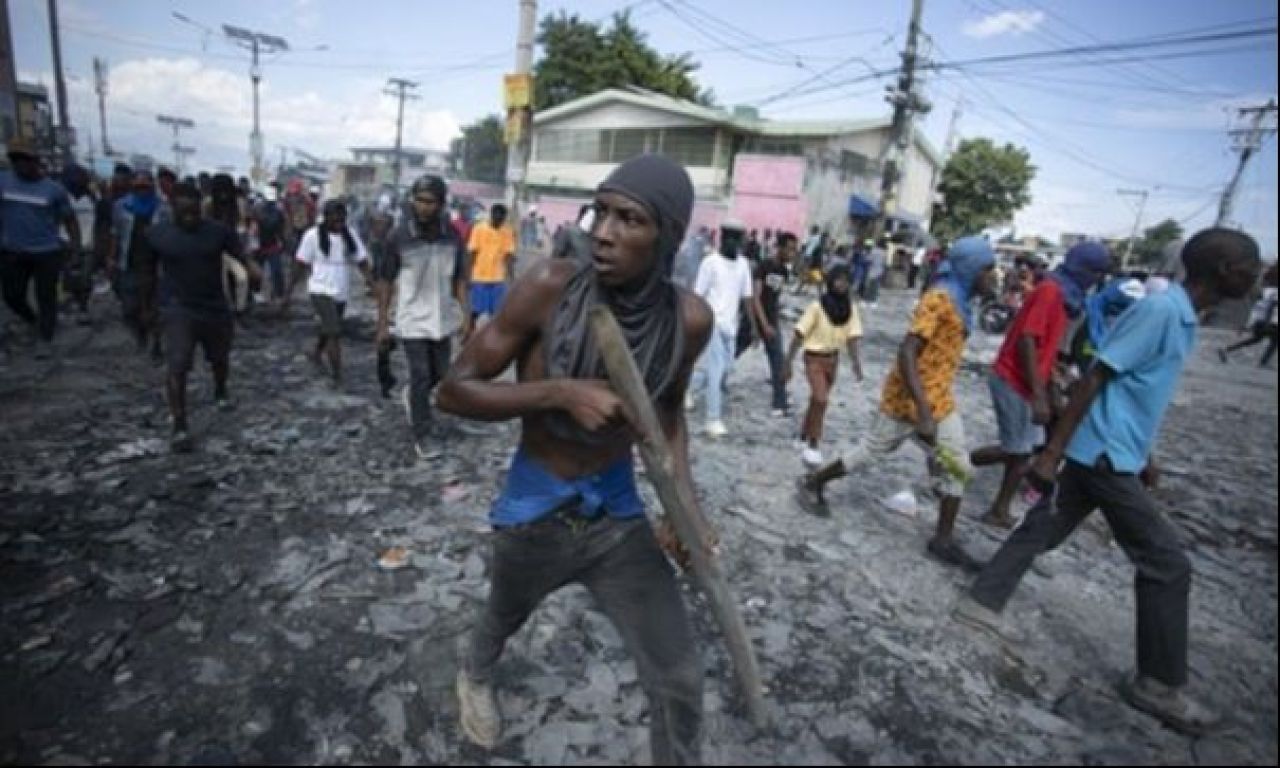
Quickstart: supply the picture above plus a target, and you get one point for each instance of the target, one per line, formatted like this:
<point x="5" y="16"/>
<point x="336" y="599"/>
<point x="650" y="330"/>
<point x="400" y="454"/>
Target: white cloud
<point x="1005" y="22"/>
<point x="220" y="101"/>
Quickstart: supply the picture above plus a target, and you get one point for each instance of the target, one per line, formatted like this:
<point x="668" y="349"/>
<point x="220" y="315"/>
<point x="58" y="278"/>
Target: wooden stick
<point x="680" y="507"/>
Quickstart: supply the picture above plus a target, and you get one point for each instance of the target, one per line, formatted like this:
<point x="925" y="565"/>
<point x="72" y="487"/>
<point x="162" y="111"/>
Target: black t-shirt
<point x="191" y="266"/>
<point x="773" y="276"/>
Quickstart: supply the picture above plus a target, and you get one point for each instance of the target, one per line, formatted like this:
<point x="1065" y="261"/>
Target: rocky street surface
<point x="229" y="606"/>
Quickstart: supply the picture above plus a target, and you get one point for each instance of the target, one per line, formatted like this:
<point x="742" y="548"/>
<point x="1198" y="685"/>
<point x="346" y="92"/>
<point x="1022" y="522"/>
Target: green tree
<point x="581" y="58"/>
<point x="982" y="184"/>
<point x="1150" y="249"/>
<point x="481" y="154"/>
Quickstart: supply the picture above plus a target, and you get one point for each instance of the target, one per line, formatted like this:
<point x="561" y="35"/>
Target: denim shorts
<point x="1019" y="435"/>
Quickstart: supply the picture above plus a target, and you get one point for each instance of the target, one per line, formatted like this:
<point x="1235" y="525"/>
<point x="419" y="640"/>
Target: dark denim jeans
<point x="17" y="270"/>
<point x="1163" y="580"/>
<point x="428" y="363"/>
<point x="621" y="565"/>
<point x="777" y="362"/>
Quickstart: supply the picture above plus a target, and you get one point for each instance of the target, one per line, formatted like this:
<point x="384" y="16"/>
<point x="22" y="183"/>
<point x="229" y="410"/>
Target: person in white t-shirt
<point x="328" y="253"/>
<point x="724" y="281"/>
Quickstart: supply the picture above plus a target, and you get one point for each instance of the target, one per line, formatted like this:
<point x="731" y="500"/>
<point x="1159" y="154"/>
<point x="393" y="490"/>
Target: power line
<point x="1019" y="58"/>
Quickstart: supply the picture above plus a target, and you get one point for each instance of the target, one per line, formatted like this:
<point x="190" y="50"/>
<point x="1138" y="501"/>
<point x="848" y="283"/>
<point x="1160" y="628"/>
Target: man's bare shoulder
<point x="697" y="318"/>
<point x="537" y="291"/>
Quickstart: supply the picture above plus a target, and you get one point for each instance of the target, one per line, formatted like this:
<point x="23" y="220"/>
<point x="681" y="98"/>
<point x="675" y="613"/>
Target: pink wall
<point x="768" y="192"/>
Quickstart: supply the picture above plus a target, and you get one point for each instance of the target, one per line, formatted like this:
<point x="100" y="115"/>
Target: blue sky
<point x="1158" y="123"/>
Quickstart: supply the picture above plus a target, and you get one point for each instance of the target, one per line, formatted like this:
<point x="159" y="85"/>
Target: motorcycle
<point x="994" y="316"/>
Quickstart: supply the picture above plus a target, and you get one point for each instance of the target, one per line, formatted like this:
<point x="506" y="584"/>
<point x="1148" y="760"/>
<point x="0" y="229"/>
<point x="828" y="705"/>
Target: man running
<point x="424" y="267"/>
<point x="493" y="253"/>
<point x="570" y="511"/>
<point x="31" y="208"/>
<point x="1021" y="380"/>
<point x="1106" y="436"/>
<point x="194" y="308"/>
<point x="327" y="254"/>
<point x="919" y="403"/>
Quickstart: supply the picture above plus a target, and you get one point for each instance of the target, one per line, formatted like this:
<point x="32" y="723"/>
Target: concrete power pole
<point x="256" y="43"/>
<point x="179" y="151"/>
<point x="63" y="137"/>
<point x="399" y="88"/>
<point x="518" y="150"/>
<point x="906" y="104"/>
<point x="1246" y="141"/>
<point x="100" y="86"/>
<point x="1142" y="195"/>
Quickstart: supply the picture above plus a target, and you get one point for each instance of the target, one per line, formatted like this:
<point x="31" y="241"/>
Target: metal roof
<point x="647" y="99"/>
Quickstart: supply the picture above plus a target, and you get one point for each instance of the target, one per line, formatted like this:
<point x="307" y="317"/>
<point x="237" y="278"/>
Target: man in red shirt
<point x="1020" y="379"/>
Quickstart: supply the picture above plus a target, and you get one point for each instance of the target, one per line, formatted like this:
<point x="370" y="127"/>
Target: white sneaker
<point x="812" y="457"/>
<point x="716" y="429"/>
<point x="481" y="719"/>
<point x="777" y="413"/>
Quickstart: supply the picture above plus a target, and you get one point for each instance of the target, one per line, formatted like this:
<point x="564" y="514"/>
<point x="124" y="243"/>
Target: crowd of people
<point x="1083" y="378"/>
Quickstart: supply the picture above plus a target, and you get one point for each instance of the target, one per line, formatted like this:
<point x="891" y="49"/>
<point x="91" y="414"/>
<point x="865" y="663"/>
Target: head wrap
<point x="1104" y="306"/>
<point x="837" y="306"/>
<point x="967" y="258"/>
<point x="647" y="311"/>
<point x="142" y="201"/>
<point x="1079" y="272"/>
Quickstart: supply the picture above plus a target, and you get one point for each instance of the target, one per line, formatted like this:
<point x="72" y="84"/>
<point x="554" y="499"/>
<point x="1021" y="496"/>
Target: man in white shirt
<point x="724" y="281"/>
<point x="328" y="252"/>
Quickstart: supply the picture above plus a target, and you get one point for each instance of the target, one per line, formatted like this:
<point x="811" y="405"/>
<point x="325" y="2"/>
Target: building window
<point x="690" y="146"/>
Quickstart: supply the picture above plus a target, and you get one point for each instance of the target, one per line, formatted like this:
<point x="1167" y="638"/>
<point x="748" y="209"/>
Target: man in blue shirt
<point x="31" y="208"/>
<point x="1106" y="436"/>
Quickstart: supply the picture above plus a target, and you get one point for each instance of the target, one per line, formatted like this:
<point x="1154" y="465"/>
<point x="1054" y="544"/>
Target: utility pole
<point x="181" y="153"/>
<point x="948" y="147"/>
<point x="63" y="136"/>
<point x="100" y="86"/>
<point x="399" y="88"/>
<point x="1142" y="195"/>
<point x="520" y="109"/>
<point x="1246" y="141"/>
<point x="177" y="124"/>
<point x="906" y="104"/>
<point x="256" y="43"/>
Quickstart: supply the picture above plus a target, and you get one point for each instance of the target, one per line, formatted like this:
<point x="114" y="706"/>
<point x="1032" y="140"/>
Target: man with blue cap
<point x="569" y="511"/>
<point x="918" y="402"/>
<point x="1020" y="380"/>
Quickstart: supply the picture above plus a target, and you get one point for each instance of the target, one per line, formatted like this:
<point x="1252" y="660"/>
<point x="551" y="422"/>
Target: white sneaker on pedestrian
<point x="481" y="720"/>
<point x="716" y="429"/>
<point x="778" y="413"/>
<point x="812" y="457"/>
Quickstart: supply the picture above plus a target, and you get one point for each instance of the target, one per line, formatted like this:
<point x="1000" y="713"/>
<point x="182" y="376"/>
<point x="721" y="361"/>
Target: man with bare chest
<point x="570" y="511"/>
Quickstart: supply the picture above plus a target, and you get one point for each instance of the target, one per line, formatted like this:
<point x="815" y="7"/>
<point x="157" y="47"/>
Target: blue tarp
<point x="862" y="208"/>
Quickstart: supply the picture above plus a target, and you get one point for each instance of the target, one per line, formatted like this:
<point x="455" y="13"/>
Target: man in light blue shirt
<point x="31" y="209"/>
<point x="1106" y="435"/>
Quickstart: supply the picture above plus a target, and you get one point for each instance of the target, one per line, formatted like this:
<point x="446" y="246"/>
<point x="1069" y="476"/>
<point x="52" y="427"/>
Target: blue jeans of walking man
<point x="712" y="372"/>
